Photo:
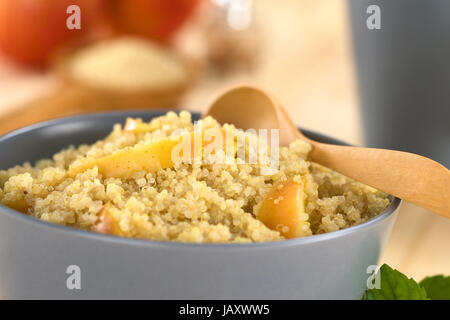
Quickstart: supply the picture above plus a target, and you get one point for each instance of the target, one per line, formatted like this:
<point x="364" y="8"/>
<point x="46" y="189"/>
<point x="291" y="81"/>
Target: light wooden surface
<point x="306" y="62"/>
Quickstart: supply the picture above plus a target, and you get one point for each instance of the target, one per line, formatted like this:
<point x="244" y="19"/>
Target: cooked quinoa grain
<point x="198" y="202"/>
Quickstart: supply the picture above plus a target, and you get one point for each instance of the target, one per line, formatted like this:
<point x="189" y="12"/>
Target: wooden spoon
<point x="409" y="176"/>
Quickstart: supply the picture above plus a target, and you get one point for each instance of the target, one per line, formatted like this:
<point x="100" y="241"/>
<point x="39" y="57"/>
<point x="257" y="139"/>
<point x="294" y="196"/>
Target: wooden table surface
<point x="308" y="65"/>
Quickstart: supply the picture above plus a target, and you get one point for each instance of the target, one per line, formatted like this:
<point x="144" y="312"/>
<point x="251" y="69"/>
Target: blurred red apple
<point x="155" y="19"/>
<point x="30" y="30"/>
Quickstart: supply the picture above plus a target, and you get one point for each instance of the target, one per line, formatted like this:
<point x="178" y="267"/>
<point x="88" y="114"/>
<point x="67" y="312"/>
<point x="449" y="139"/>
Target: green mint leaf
<point x="394" y="285"/>
<point x="437" y="287"/>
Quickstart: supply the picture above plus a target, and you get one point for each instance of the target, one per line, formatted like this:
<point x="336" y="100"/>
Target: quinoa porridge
<point x="127" y="185"/>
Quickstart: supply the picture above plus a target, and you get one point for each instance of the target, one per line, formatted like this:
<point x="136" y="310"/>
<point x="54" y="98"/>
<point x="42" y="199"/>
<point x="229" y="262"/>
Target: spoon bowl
<point x="249" y="107"/>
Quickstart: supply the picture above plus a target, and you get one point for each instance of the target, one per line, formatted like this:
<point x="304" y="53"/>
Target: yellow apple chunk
<point x="106" y="222"/>
<point x="121" y="164"/>
<point x="282" y="209"/>
<point x="151" y="157"/>
<point x="20" y="204"/>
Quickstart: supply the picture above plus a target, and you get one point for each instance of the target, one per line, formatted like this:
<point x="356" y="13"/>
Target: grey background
<point x="403" y="74"/>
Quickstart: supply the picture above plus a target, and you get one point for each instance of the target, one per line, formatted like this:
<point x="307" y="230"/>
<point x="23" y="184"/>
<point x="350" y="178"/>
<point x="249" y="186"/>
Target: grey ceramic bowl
<point x="35" y="255"/>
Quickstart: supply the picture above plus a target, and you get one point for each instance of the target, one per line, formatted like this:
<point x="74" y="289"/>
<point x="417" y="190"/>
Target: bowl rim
<point x="48" y="226"/>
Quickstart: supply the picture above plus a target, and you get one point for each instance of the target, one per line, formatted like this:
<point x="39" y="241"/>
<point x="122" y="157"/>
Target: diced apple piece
<point x="151" y="157"/>
<point x="20" y="205"/>
<point x="282" y="209"/>
<point x="106" y="222"/>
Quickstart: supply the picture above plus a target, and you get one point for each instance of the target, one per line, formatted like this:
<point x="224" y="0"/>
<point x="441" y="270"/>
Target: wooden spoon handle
<point x="411" y="177"/>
